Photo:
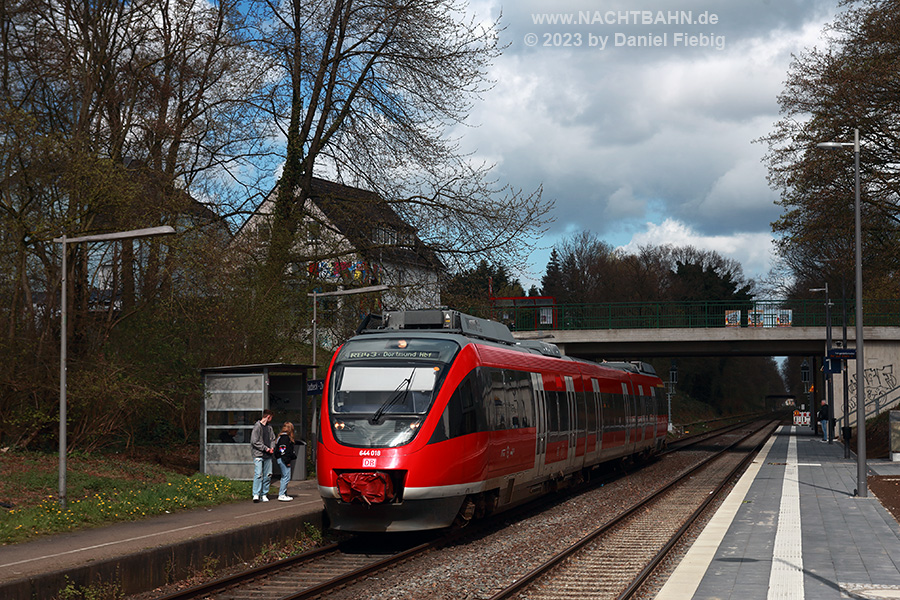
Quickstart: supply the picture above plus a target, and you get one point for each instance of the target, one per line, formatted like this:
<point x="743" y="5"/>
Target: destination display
<point x="415" y="354"/>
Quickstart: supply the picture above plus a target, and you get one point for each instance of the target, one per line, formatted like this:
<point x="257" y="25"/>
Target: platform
<point x="142" y="555"/>
<point x="792" y="529"/>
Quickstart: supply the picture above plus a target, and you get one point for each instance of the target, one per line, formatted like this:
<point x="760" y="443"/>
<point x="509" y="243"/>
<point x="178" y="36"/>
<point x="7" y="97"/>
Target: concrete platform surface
<point x="145" y="554"/>
<point x="793" y="529"/>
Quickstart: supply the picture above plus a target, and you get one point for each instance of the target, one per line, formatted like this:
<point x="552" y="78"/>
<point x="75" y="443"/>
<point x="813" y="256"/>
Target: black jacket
<point x="284" y="449"/>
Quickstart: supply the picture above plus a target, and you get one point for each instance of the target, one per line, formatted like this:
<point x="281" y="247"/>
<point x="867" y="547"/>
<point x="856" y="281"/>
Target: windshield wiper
<point x="398" y="395"/>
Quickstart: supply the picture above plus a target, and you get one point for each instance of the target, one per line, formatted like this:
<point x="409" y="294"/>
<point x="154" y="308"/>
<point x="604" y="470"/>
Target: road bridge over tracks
<point x="631" y="331"/>
<point x="622" y="330"/>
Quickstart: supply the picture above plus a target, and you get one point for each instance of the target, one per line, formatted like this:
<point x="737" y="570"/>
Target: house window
<point x="385" y="236"/>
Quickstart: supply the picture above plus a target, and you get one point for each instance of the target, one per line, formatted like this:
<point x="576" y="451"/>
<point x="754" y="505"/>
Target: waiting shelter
<point x="234" y="398"/>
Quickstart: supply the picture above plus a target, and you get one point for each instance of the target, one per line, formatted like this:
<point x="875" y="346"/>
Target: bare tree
<point x="368" y="91"/>
<point x="111" y="115"/>
<point x="850" y="83"/>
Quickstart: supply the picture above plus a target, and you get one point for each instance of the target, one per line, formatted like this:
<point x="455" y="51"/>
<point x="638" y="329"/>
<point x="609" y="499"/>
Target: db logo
<point x="369" y="462"/>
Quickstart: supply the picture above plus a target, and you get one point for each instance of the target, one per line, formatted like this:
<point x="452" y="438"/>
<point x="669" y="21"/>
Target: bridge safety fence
<point x="701" y="314"/>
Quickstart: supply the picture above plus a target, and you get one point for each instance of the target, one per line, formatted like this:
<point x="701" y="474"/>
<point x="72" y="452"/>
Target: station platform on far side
<point x="792" y="528"/>
<point x="143" y="555"/>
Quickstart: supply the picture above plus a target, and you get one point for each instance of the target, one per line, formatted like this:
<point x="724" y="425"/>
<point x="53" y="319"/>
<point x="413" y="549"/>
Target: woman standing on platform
<point x="284" y="454"/>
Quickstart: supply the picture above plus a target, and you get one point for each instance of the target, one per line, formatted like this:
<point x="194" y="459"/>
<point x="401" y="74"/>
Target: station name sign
<point x="842" y="353"/>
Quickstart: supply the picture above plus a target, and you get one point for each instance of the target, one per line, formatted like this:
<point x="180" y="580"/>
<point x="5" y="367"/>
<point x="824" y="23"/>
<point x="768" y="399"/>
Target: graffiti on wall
<point x="879" y="383"/>
<point x="343" y="270"/>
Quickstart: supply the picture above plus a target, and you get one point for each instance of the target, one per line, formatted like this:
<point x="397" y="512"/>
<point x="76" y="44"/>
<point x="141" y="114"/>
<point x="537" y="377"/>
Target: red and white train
<point x="436" y="416"/>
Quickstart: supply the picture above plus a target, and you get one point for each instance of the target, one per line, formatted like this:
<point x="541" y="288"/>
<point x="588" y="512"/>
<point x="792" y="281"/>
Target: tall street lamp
<point x="316" y="295"/>
<point x="63" y="241"/>
<point x="670" y="388"/>
<point x="862" y="485"/>
<point x="829" y="379"/>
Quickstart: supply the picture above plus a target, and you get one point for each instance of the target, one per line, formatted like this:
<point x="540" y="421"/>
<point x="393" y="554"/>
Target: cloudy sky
<point x="643" y="144"/>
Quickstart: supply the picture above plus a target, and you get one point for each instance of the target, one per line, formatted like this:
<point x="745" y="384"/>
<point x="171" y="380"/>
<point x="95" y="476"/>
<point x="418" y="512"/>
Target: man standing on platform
<point x="261" y="439"/>
<point x="822" y="418"/>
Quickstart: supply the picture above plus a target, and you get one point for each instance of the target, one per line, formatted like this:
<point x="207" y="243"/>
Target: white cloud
<point x="752" y="250"/>
<point x="643" y="145"/>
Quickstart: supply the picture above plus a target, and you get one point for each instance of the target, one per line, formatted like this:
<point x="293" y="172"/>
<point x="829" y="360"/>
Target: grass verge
<point x="100" y="489"/>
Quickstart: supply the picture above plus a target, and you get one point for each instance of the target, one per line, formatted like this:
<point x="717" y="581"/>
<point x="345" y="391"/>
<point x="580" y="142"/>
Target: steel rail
<point x="642" y="577"/>
<point x="222" y="583"/>
<point x="532" y="576"/>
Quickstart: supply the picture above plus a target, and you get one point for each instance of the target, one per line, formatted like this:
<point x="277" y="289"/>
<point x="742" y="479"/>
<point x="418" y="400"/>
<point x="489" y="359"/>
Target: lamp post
<point x="316" y="295"/>
<point x="862" y="485"/>
<point x="829" y="388"/>
<point x="804" y="379"/>
<point x="845" y="430"/>
<point x="63" y="241"/>
<point x="670" y="388"/>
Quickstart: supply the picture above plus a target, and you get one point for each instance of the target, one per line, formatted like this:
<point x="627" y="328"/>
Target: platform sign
<point x="802" y="417"/>
<point x="842" y="353"/>
<point x="314" y="387"/>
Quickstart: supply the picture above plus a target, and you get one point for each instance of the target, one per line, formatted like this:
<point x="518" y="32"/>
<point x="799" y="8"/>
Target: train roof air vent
<point x="545" y="348"/>
<point x="446" y="321"/>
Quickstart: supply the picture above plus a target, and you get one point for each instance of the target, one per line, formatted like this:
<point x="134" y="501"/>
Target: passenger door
<point x="629" y="418"/>
<point x="574" y="425"/>
<point x="540" y="421"/>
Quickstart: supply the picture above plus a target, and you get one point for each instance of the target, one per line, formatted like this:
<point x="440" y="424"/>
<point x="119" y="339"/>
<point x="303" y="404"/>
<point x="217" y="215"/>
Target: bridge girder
<point x="630" y="344"/>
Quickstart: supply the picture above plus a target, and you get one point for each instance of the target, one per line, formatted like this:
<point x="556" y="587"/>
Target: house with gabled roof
<point x="353" y="238"/>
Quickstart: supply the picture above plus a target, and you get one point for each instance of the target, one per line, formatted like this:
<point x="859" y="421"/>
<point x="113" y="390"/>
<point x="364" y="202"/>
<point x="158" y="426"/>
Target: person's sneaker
<point x="255" y="498"/>
<point x="264" y="498"/>
<point x="285" y="498"/>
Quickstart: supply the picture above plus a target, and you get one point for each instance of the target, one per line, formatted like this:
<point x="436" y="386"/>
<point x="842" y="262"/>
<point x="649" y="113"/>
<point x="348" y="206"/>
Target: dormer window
<point x="385" y="236"/>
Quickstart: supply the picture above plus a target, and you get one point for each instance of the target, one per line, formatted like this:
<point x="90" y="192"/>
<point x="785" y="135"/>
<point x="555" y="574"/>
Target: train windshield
<point x="381" y="390"/>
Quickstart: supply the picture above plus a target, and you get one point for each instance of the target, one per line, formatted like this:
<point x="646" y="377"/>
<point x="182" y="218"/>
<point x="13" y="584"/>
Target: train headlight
<point x="340" y="425"/>
<point x="415" y="425"/>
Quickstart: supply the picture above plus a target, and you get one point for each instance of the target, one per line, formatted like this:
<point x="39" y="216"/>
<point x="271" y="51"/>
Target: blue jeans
<point x="262" y="476"/>
<point x="824" y="424"/>
<point x="285" y="477"/>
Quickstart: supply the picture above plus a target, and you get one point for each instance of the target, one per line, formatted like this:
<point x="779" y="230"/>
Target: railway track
<point x="309" y="574"/>
<point x="614" y="560"/>
<point x="352" y="565"/>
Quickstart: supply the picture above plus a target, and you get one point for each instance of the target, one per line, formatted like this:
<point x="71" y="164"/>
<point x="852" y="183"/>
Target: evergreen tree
<point x="552" y="281"/>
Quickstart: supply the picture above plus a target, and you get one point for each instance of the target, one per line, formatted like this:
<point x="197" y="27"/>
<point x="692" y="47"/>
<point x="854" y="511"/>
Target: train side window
<point x="552" y="411"/>
<point x="524" y="397"/>
<point x="564" y="417"/>
<point x="608" y="417"/>
<point x="591" y="408"/>
<point x="464" y="413"/>
<point x="581" y="411"/>
<point x="498" y="401"/>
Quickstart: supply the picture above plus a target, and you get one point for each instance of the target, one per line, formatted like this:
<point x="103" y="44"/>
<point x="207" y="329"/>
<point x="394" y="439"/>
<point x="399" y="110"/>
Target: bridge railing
<point x="706" y="314"/>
